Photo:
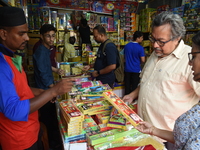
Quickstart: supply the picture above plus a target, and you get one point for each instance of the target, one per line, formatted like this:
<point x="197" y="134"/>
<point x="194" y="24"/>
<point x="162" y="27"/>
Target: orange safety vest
<point x="19" y="135"/>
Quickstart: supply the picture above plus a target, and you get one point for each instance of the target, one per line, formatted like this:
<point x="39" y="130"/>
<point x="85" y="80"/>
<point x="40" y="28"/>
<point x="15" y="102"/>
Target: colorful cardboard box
<point x="119" y="104"/>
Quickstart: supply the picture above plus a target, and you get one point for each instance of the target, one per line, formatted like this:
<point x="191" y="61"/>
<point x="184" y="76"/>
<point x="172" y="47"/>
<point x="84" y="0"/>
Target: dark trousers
<point x="131" y="80"/>
<point x="48" y="116"/>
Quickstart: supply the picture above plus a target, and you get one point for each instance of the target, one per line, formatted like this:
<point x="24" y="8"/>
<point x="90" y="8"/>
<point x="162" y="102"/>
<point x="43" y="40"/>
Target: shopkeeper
<point x="19" y="125"/>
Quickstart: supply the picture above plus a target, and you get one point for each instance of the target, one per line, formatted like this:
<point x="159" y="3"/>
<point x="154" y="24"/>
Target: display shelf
<point x="192" y="30"/>
<point x="59" y="45"/>
<point x="34" y="35"/>
<point x="67" y="9"/>
<point x="34" y="30"/>
<point x="111" y="31"/>
<point x="62" y="30"/>
<point x="100" y="13"/>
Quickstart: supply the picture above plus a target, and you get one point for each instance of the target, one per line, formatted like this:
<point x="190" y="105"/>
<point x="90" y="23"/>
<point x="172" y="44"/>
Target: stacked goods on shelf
<point x="102" y="118"/>
<point x="93" y="108"/>
<point x="71" y="68"/>
<point x="91" y="57"/>
<point x="113" y="36"/>
<point x="145" y="19"/>
<point x="72" y="117"/>
<point x="85" y="50"/>
<point x="116" y="18"/>
<point x="92" y="101"/>
<point x="90" y="126"/>
<point x="66" y="67"/>
<point x="121" y="37"/>
<point x="125" y="21"/>
<point x="104" y="21"/>
<point x="191" y="17"/>
<point x="128" y="21"/>
<point x="33" y="16"/>
<point x="77" y="68"/>
<point x="134" y="22"/>
<point x="69" y="139"/>
<point x="129" y="36"/>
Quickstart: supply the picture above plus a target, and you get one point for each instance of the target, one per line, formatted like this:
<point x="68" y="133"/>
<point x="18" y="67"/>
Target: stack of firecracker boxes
<point x="94" y="114"/>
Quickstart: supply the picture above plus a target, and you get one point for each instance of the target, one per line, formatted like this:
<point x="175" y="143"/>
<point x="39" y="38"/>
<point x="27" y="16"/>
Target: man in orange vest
<point x="19" y="125"/>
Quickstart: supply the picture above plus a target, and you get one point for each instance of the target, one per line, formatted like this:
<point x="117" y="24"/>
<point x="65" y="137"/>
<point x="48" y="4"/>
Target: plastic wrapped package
<point x="132" y="140"/>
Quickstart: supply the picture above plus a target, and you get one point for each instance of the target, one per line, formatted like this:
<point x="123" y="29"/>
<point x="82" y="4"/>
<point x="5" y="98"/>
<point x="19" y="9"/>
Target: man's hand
<point x="95" y="73"/>
<point x="60" y="71"/>
<point x="145" y="127"/>
<point x="128" y="98"/>
<point x="86" y="68"/>
<point x="63" y="86"/>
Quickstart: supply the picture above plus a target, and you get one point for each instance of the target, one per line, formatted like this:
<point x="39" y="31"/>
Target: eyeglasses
<point x="160" y="43"/>
<point x="191" y="55"/>
<point x="50" y="36"/>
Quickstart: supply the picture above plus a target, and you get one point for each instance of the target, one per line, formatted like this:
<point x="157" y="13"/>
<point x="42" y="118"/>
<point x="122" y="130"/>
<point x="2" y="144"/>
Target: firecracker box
<point x="70" y="111"/>
<point x="124" y="109"/>
<point x="94" y="107"/>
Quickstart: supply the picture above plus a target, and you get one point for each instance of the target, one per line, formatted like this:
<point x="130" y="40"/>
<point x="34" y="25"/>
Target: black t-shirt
<point x="103" y="60"/>
<point x="85" y="34"/>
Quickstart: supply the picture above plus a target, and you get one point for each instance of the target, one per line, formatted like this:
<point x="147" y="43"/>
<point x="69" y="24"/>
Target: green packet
<point x="126" y="138"/>
<point x="110" y="135"/>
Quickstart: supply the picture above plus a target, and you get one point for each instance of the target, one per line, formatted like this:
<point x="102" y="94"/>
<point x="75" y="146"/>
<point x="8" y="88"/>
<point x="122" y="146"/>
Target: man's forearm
<point x="54" y="69"/>
<point x="134" y="94"/>
<point x="107" y="69"/>
<point x="36" y="91"/>
<point x="164" y="134"/>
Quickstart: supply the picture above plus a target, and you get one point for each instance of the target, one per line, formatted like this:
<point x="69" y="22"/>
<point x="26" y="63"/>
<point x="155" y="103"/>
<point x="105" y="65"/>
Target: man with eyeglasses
<point x="44" y="80"/>
<point x="166" y="89"/>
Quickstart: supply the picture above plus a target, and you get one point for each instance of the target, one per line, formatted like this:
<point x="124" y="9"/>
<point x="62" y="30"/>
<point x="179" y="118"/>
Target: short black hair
<point x="72" y="40"/>
<point x="46" y="28"/>
<point x="84" y="22"/>
<point x="137" y="34"/>
<point x="196" y="39"/>
<point x="100" y="29"/>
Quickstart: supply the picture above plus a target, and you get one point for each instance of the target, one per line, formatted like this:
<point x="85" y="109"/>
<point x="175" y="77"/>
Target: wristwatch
<point x="98" y="72"/>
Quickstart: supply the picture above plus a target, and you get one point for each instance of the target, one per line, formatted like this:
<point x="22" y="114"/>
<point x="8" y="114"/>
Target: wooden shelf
<point x="34" y="35"/>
